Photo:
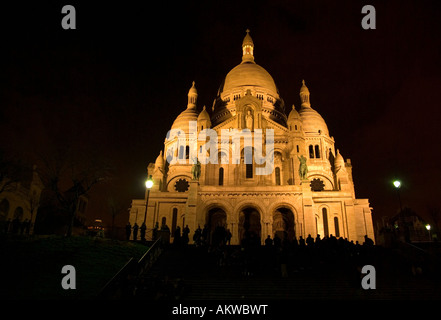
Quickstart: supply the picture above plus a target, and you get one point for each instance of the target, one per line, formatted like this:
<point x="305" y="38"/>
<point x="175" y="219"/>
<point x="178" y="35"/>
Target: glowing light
<point x="428" y="227"/>
<point x="397" y="183"/>
<point x="149" y="184"/>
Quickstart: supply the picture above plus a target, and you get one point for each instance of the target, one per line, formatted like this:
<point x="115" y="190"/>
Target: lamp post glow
<point x="397" y="185"/>
<point x="148" y="185"/>
<point x="428" y="227"/>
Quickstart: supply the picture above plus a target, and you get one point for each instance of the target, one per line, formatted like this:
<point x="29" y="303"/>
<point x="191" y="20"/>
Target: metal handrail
<point x="118" y="280"/>
<point x="149" y="257"/>
<point x="126" y="277"/>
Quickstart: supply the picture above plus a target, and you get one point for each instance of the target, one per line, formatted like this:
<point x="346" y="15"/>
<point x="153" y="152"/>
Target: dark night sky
<point x="117" y="82"/>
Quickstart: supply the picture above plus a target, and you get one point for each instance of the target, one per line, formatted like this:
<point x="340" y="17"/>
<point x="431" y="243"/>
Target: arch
<point x="18" y="213"/>
<point x="250" y="227"/>
<point x="329" y="185"/>
<point x="284" y="223"/>
<point x="172" y="181"/>
<point x="4" y="209"/>
<point x="216" y="222"/>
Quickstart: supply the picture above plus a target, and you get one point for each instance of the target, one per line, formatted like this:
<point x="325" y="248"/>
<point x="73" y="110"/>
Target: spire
<point x="304" y="95"/>
<point x="247" y="48"/>
<point x="192" y="97"/>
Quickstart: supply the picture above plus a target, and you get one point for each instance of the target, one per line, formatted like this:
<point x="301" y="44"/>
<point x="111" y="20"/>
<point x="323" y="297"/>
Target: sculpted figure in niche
<point x="303" y="168"/>
<point x="249" y="120"/>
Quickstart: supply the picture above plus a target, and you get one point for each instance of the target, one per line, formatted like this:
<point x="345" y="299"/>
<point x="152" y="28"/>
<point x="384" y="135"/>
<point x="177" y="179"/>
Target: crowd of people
<point x="282" y="256"/>
<point x="17" y="226"/>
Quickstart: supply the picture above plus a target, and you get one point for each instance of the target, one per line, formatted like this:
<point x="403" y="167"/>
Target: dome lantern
<point x="247" y="48"/>
<point x="304" y="95"/>
<point x="192" y="97"/>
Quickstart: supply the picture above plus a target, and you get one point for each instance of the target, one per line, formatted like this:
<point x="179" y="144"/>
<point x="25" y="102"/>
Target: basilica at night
<point x="308" y="190"/>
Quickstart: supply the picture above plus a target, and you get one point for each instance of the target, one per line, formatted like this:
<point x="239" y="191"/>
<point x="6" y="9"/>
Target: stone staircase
<point x="190" y="273"/>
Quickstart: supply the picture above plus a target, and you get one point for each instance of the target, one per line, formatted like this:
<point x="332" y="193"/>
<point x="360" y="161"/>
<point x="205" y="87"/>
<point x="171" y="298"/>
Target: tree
<point x="116" y="207"/>
<point x="70" y="174"/>
<point x="11" y="172"/>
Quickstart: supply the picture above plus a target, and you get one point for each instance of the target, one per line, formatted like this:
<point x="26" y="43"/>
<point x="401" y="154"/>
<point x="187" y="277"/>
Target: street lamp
<point x="428" y="227"/>
<point x="397" y="185"/>
<point x="148" y="185"/>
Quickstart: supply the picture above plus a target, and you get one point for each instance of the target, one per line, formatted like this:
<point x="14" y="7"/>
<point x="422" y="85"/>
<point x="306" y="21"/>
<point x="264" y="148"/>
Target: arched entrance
<point x="283" y="224"/>
<point x="249" y="224"/>
<point x="216" y="225"/>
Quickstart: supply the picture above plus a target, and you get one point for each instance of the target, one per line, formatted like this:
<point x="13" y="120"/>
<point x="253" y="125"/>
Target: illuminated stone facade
<point x="288" y="201"/>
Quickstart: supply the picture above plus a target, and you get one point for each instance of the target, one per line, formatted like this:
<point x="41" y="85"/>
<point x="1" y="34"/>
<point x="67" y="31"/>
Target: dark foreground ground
<point x="31" y="269"/>
<point x="31" y="266"/>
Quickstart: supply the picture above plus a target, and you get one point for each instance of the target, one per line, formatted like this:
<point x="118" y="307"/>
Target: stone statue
<point x="196" y="169"/>
<point x="303" y="169"/>
<point x="249" y="120"/>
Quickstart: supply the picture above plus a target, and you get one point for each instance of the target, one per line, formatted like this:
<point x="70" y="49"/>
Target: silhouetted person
<point x="228" y="237"/>
<point x="185" y="233"/>
<point x="205" y="234"/>
<point x="177" y="236"/>
<point x="128" y="230"/>
<point x="317" y="239"/>
<point x="310" y="241"/>
<point x="368" y="241"/>
<point x="155" y="231"/>
<point x="268" y="241"/>
<point x="197" y="236"/>
<point x="301" y="242"/>
<point x="135" y="231"/>
<point x="143" y="229"/>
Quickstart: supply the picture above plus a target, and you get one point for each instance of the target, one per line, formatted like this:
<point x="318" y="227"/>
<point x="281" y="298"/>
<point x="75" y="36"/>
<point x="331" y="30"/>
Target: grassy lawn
<point x="31" y="267"/>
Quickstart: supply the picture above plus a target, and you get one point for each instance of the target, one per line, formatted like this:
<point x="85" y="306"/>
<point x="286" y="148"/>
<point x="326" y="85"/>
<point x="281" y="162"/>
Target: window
<point x="325" y="221"/>
<point x="317" y="151"/>
<point x="311" y="152"/>
<point x="337" y="229"/>
<point x="249" y="170"/>
<point x="187" y="152"/>
<point x="221" y="176"/>
<point x="298" y="150"/>
<point x="181" y="152"/>
<point x="295" y="127"/>
<point x="277" y="171"/>
<point x="247" y="157"/>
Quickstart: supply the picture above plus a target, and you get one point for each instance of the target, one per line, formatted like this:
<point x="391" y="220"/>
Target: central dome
<point x="248" y="78"/>
<point x="249" y="74"/>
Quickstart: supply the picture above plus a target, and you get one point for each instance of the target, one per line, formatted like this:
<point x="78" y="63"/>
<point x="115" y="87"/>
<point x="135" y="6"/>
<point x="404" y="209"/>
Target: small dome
<point x="312" y="121"/>
<point x="159" y="163"/>
<point x="182" y="121"/>
<point x="190" y="114"/>
<point x="204" y="116"/>
<point x="293" y="115"/>
<point x="339" y="159"/>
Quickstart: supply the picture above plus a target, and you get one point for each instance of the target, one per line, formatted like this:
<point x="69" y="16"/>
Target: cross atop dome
<point x="247" y="48"/>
